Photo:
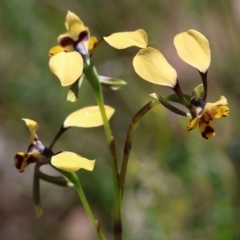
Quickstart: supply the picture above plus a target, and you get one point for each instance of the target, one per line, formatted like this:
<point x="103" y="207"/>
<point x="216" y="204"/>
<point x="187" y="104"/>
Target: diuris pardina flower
<point x="36" y="152"/>
<point x="68" y="161"/>
<point x="193" y="48"/>
<point x="67" y="60"/>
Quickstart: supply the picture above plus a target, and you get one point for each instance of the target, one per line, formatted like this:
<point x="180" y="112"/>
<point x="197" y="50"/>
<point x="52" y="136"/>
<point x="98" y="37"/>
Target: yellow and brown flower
<point x="205" y="116"/>
<point x="66" y="60"/>
<point x="87" y="117"/>
<point x="193" y="48"/>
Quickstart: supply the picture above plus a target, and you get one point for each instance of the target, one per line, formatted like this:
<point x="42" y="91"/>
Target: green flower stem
<point x="132" y="128"/>
<point x="128" y="142"/>
<point x="92" y="76"/>
<point x="36" y="191"/>
<point x="75" y="180"/>
<point x="94" y="81"/>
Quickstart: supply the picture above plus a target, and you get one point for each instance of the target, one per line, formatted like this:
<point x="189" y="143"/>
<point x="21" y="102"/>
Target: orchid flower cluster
<point x="71" y="62"/>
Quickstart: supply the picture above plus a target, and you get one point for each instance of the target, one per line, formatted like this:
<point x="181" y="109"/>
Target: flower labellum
<point x="67" y="66"/>
<point x="208" y="111"/>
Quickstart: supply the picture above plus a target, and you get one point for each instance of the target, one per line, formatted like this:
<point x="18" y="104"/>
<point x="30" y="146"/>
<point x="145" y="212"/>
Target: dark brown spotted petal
<point x="22" y="160"/>
<point x="205" y="126"/>
<point x="206" y="130"/>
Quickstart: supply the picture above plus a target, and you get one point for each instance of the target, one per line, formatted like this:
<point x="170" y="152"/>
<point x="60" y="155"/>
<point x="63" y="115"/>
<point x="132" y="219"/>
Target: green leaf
<point x="198" y="91"/>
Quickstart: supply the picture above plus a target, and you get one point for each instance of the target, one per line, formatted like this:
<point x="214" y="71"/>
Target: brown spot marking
<point x="226" y="113"/>
<point x="20" y="160"/>
<point x="207" y="131"/>
<point x="66" y="41"/>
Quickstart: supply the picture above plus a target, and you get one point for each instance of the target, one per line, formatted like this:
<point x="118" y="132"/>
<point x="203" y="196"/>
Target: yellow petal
<point x="58" y="49"/>
<point x="32" y="126"/>
<point x="206" y="129"/>
<point x="74" y="25"/>
<point x="206" y="117"/>
<point x="193" y="48"/>
<point x="67" y="67"/>
<point x="151" y="65"/>
<point x="87" y="117"/>
<point x="193" y="123"/>
<point x="219" y="111"/>
<point x="92" y="43"/>
<point x="123" y="40"/>
<point x="212" y="106"/>
<point x="55" y="50"/>
<point x="71" y="162"/>
<point x="69" y="48"/>
<point x="72" y="18"/>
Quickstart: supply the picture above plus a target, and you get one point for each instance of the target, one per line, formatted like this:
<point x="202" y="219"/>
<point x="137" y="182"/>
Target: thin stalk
<point x="88" y="210"/>
<point x="76" y="182"/>
<point x="58" y="135"/>
<point x="205" y="85"/>
<point x="177" y="89"/>
<point x="128" y="142"/>
<point x="73" y="178"/>
<point x="94" y="81"/>
<point x="36" y="191"/>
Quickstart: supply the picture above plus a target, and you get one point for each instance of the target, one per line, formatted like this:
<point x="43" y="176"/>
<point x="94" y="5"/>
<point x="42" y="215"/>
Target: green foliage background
<point x="179" y="185"/>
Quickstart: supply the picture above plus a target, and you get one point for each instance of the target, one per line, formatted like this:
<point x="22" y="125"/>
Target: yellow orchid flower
<point x="193" y="48"/>
<point x="66" y="60"/>
<point x="86" y="117"/>
<point x="37" y="152"/>
<point x="205" y="116"/>
<point x="58" y="49"/>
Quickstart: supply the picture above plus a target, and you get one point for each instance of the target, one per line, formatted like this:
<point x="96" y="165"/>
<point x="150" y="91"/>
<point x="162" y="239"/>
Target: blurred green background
<point x="179" y="186"/>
